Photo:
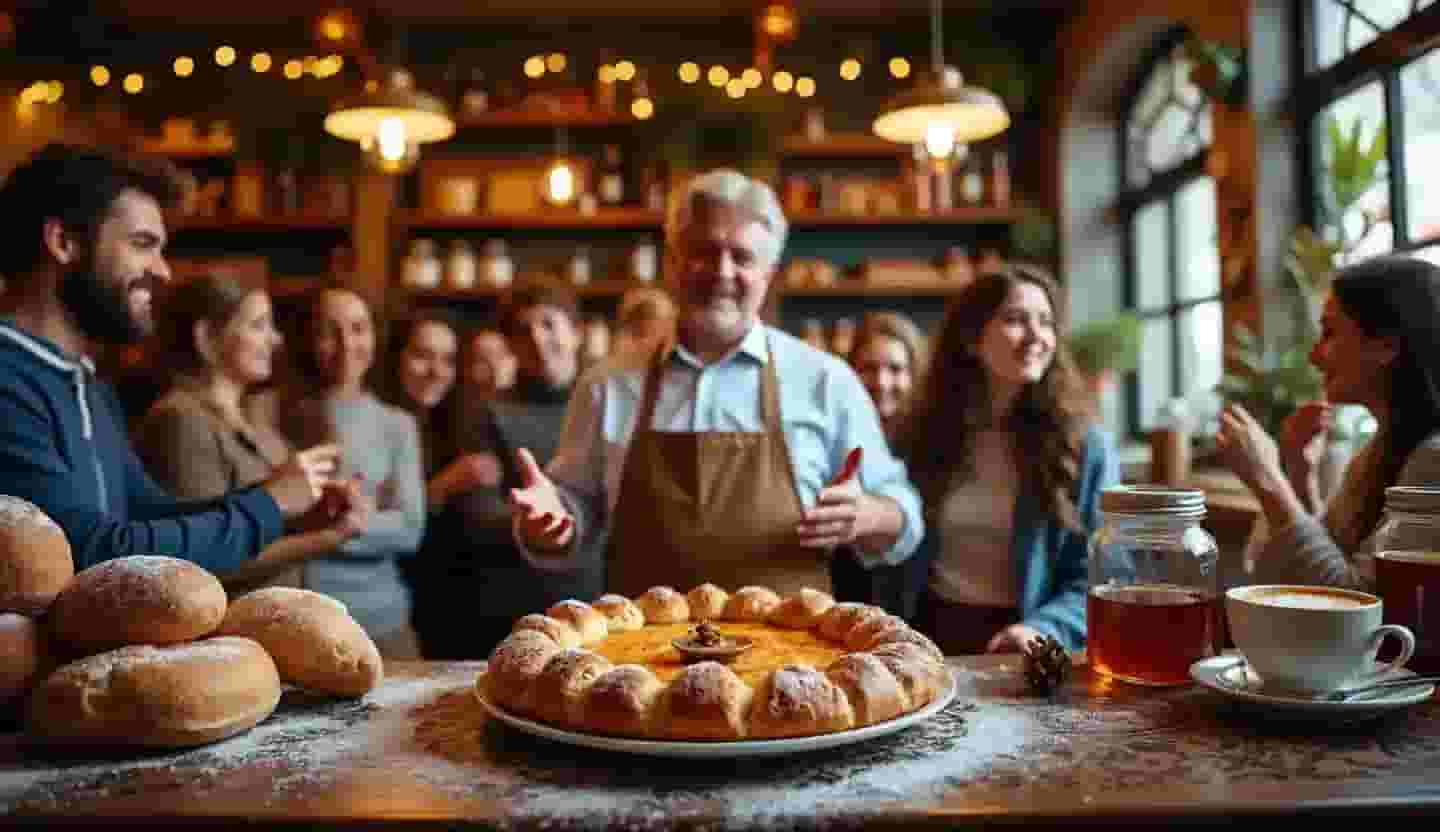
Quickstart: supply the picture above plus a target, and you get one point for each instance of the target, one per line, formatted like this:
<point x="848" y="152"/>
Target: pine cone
<point x="1047" y="665"/>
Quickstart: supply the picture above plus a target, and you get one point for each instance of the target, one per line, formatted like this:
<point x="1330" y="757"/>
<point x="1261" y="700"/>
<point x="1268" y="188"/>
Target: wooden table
<point x="418" y="752"/>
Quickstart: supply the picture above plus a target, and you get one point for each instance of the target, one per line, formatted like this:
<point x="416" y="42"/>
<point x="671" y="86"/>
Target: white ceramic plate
<point x="722" y="750"/>
<point x="1231" y="677"/>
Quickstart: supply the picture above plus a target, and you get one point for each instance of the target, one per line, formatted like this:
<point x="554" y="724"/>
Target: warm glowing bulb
<point x="783" y="81"/>
<point x="805" y="86"/>
<point x="689" y="72"/>
<point x="940" y="140"/>
<point x="261" y="62"/>
<point x="328" y="66"/>
<point x="642" y="108"/>
<point x="850" y="69"/>
<point x="534" y="66"/>
<point x="54" y="92"/>
<point x="718" y="75"/>
<point x="99" y="75"/>
<point x="225" y="55"/>
<point x="184" y="66"/>
<point x="752" y="78"/>
<point x="333" y="28"/>
<point x="736" y="87"/>
<point x="556" y="61"/>
<point x="899" y="67"/>
<point x="294" y="69"/>
<point x="134" y="82"/>
<point x="560" y="183"/>
<point x="392" y="139"/>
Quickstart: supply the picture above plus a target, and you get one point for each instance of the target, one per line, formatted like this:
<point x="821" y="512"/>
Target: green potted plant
<point x="1102" y="350"/>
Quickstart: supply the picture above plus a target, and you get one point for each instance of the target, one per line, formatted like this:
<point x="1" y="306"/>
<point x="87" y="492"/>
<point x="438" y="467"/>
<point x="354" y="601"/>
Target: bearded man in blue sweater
<point x="81" y="264"/>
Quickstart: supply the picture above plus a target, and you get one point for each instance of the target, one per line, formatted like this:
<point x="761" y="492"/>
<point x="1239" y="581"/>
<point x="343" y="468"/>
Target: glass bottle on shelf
<point x="972" y="181"/>
<point x="644" y="260"/>
<point x="1000" y="179"/>
<point x="922" y="184"/>
<point x="1153" y="607"/>
<point x="460" y="266"/>
<point x="247" y="190"/>
<point x="421" y="267"/>
<point x="496" y="269"/>
<point x="942" y="187"/>
<point x="577" y="268"/>
<point x="612" y="177"/>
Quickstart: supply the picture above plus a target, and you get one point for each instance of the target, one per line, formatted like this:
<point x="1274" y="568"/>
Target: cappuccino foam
<point x="1308" y="599"/>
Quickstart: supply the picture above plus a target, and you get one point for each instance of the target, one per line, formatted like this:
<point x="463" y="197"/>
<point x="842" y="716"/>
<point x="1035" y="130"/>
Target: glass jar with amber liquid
<point x="1154" y="586"/>
<point x="1407" y="570"/>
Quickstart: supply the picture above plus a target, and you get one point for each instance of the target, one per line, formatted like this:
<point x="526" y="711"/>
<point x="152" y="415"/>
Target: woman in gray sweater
<point x="1379" y="347"/>
<point x="379" y="443"/>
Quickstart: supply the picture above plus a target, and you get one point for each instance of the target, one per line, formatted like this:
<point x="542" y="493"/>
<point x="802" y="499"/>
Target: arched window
<point x="1173" y="262"/>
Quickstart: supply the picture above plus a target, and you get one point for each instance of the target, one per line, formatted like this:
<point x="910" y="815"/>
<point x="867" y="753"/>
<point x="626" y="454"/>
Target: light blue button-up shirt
<point x="824" y="411"/>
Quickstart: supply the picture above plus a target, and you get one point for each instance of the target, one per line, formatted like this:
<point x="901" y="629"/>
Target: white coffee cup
<point x="1311" y="640"/>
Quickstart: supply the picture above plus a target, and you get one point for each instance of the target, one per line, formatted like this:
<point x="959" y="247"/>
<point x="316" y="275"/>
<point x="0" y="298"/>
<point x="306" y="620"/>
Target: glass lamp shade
<point x="971" y="113"/>
<point x="425" y="118"/>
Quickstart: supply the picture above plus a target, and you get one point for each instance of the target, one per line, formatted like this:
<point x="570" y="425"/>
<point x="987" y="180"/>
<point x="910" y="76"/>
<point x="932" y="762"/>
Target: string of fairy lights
<point x="735" y="83"/>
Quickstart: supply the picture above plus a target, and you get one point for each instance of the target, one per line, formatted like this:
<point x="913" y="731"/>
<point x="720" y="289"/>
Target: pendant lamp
<point x="941" y="111"/>
<point x="390" y="120"/>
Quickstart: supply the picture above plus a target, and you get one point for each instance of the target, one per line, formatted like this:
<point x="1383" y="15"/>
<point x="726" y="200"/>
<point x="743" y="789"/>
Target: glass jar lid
<point x="1153" y="500"/>
<point x="1412" y="499"/>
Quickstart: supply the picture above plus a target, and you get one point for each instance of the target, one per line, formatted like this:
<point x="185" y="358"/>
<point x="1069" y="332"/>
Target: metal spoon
<point x="1345" y="693"/>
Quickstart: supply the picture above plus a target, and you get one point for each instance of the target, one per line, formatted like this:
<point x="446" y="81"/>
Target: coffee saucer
<point x="1230" y="676"/>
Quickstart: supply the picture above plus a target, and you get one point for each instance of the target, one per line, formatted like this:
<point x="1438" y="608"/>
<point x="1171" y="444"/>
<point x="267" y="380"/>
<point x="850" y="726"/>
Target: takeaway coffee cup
<point x="1309" y="640"/>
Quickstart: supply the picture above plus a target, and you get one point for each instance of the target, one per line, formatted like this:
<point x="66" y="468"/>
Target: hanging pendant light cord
<point x="936" y="38"/>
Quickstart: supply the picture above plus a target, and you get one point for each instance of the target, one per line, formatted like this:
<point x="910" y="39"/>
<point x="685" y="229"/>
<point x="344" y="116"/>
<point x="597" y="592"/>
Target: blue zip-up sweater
<point x="63" y="447"/>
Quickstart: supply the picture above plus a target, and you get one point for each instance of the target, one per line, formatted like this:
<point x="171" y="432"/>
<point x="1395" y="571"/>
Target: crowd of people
<point x="443" y="481"/>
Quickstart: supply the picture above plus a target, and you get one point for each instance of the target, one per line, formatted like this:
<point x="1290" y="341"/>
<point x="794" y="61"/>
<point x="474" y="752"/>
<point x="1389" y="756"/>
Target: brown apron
<point x="710" y="506"/>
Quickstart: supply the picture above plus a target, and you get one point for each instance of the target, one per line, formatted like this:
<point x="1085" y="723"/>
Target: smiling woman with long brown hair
<point x="1010" y="470"/>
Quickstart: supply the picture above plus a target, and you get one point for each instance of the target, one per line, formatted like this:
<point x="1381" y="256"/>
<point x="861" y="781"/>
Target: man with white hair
<point x="737" y="455"/>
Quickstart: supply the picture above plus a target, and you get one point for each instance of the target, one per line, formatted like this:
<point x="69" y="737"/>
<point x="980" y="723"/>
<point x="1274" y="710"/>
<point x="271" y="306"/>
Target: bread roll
<point x="161" y="697"/>
<point x="802" y="610"/>
<point x="874" y="692"/>
<point x="559" y="631"/>
<point x="862" y="636"/>
<point x="621" y="701"/>
<point x="509" y="677"/>
<point x="561" y="687"/>
<point x="923" y="678"/>
<point x="907" y="636"/>
<point x="142" y="599"/>
<point x="836" y="624"/>
<point x="312" y="638"/>
<point x="752" y="603"/>
<point x="799" y="701"/>
<point x="663" y="605"/>
<point x="621" y="614"/>
<point x="23" y="657"/>
<point x="707" y="701"/>
<point x="589" y="623"/>
<point x="35" y="558"/>
<point x="707" y="602"/>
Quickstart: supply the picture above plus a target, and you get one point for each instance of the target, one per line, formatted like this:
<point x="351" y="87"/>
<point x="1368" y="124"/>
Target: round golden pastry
<point x="905" y="635"/>
<point x="559" y="631"/>
<point x="707" y="601"/>
<point x="23" y="657"/>
<point x="751" y="603"/>
<point x="663" y="605"/>
<point x="314" y="641"/>
<point x="791" y="682"/>
<point x="589" y="622"/>
<point x="863" y="635"/>
<point x="802" y="610"/>
<point x="621" y="614"/>
<point x="142" y="599"/>
<point x="35" y="557"/>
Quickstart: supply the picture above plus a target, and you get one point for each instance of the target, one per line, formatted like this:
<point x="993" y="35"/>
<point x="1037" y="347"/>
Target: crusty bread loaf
<point x="752" y="603"/>
<point x="621" y="614"/>
<point x="561" y="687"/>
<point x="35" y="558"/>
<point x="707" y="602"/>
<point x="315" y="643"/>
<point x="874" y="692"/>
<point x="173" y="696"/>
<point x="707" y="701"/>
<point x="509" y="677"/>
<point x="559" y="631"/>
<point x="533" y="675"/>
<point x="620" y="702"/>
<point x="663" y="605"/>
<point x="142" y="599"/>
<point x="23" y="657"/>
<point x="802" y="610"/>
<point x="797" y="701"/>
<point x="589" y="623"/>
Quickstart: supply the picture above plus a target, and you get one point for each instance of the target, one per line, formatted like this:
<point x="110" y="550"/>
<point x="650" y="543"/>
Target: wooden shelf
<point x="861" y="289"/>
<point x="263" y="224"/>
<point x="615" y="288"/>
<point x="982" y="215"/>
<point x="844" y="146"/>
<point x="618" y="218"/>
<point x="524" y="118"/>
<point x="597" y="289"/>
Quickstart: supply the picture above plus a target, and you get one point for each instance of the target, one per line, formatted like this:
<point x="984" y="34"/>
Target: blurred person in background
<point x="889" y="356"/>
